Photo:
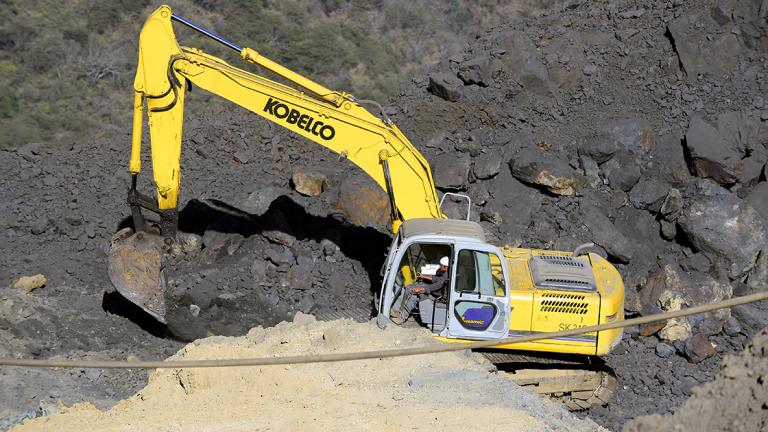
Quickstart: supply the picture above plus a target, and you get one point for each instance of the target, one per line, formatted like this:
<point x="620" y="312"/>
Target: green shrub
<point x="79" y="35"/>
<point x="106" y="15"/>
<point x="7" y="68"/>
<point x="9" y="104"/>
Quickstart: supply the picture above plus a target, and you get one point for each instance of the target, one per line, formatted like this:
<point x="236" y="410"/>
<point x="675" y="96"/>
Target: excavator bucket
<point x="134" y="266"/>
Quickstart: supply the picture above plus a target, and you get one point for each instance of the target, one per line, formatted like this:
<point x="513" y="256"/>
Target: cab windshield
<point x="479" y="273"/>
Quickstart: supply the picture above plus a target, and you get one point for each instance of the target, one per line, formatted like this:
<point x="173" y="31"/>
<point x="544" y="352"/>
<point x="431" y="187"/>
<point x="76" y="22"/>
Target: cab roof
<point x="442" y="227"/>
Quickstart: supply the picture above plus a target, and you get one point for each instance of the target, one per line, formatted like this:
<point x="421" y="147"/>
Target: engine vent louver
<point x="565" y="303"/>
<point x="562" y="273"/>
<point x="561" y="260"/>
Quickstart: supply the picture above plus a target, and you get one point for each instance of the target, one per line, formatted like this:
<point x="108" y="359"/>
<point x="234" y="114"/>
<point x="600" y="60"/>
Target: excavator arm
<point x="332" y="119"/>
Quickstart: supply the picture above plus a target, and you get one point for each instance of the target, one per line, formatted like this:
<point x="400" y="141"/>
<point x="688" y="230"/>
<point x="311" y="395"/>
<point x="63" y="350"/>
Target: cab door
<point x="479" y="301"/>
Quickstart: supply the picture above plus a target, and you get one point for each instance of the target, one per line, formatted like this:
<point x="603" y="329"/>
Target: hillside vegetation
<point x="66" y="67"/>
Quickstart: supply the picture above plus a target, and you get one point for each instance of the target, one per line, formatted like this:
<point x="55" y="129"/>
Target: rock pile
<point x="735" y="400"/>
<point x="618" y="125"/>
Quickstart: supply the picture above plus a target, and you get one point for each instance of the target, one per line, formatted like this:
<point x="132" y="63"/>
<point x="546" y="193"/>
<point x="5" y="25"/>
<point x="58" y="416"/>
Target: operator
<point x="417" y="291"/>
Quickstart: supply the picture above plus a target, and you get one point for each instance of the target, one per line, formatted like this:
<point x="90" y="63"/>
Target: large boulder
<point x="720" y="224"/>
<point x="700" y="53"/>
<point x="487" y="165"/>
<point x="668" y="161"/>
<point x="712" y="156"/>
<point x="622" y="172"/>
<point x="641" y="229"/>
<point x="742" y="130"/>
<point x="446" y="86"/>
<point x="649" y="195"/>
<point x="633" y="135"/>
<point x="522" y="62"/>
<point x="451" y="171"/>
<point x="599" y="229"/>
<point x="599" y="146"/>
<point x="538" y="166"/>
<point x="758" y="199"/>
<point x="671" y="289"/>
<point x="363" y="202"/>
<point x="480" y="70"/>
<point x="309" y="183"/>
<point x="512" y="206"/>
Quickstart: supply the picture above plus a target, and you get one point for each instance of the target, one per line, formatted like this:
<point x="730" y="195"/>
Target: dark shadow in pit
<point x="114" y="303"/>
<point x="364" y="244"/>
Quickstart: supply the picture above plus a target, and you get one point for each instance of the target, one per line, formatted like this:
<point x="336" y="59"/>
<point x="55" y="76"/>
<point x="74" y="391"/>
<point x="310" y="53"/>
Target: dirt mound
<point x="736" y="400"/>
<point x="452" y="391"/>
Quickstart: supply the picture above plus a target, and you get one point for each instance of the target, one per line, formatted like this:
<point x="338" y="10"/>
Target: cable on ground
<point x="378" y="354"/>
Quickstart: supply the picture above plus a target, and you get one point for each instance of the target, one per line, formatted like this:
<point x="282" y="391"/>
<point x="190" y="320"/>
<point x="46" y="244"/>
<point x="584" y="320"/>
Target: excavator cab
<point x="474" y="304"/>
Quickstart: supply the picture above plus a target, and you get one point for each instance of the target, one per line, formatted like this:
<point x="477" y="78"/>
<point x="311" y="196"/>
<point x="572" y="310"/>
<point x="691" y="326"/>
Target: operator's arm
<point x="434" y="283"/>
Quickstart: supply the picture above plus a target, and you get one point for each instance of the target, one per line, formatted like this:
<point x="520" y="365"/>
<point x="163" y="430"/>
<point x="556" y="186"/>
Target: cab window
<point x="479" y="273"/>
<point x="420" y="258"/>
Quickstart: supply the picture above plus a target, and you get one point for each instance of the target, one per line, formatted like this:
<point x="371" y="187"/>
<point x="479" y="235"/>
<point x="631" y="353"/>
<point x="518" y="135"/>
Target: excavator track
<point x="578" y="382"/>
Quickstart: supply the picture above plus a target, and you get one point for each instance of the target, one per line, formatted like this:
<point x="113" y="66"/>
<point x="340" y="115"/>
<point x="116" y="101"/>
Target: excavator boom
<point x="332" y="119"/>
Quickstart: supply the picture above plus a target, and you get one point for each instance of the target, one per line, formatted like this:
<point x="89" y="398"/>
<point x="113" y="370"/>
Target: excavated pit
<point x="244" y="270"/>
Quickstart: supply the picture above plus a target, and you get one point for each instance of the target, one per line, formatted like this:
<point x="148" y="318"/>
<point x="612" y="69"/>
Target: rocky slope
<point x="590" y="122"/>
<point x="735" y="400"/>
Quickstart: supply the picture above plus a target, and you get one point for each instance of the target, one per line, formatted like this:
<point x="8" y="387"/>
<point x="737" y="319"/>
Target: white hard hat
<point x="444" y="261"/>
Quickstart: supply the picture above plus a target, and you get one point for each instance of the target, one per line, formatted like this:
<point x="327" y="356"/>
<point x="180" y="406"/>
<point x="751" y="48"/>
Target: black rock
<point x="536" y="165"/>
<point x="697" y="262"/>
<point x="719" y="223"/>
<point x="39" y="225"/>
<point x="699" y="52"/>
<point x="623" y="172"/>
<point x="732" y="327"/>
<point x="668" y="229"/>
<point x="602" y="232"/>
<point x="522" y="61"/>
<point x="445" y="86"/>
<point x="600" y="147"/>
<point x="513" y="204"/>
<point x="751" y="318"/>
<point x="669" y="158"/>
<point x="672" y="205"/>
<point x="479" y="70"/>
<point x="758" y="199"/>
<point x="632" y="135"/>
<point x="711" y="155"/>
<point x="451" y="172"/>
<point x="664" y="350"/>
<point x="487" y="166"/>
<point x="648" y="195"/>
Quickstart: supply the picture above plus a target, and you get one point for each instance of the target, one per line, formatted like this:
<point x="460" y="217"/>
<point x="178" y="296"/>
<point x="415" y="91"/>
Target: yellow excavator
<point x="492" y="292"/>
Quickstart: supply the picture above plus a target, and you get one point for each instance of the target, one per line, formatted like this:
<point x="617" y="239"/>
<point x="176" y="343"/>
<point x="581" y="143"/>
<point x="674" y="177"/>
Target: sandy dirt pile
<point x="736" y="400"/>
<point x="451" y="391"/>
